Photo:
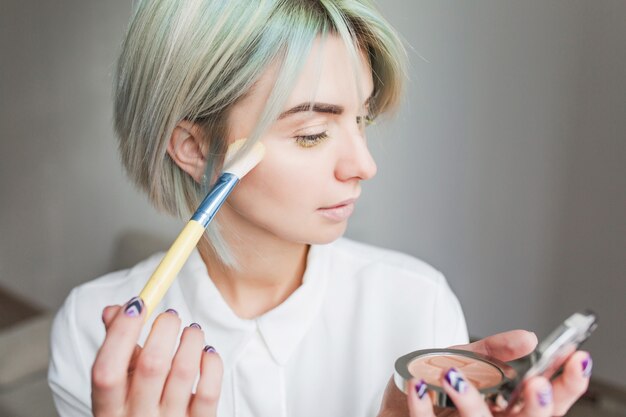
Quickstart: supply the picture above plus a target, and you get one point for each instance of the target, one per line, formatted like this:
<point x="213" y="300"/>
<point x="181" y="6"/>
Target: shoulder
<point x="77" y="329"/>
<point x="79" y="317"/>
<point x="388" y="286"/>
<point x="388" y="290"/>
<point x="367" y="261"/>
<point x="384" y="279"/>
<point x="77" y="332"/>
<point x="121" y="285"/>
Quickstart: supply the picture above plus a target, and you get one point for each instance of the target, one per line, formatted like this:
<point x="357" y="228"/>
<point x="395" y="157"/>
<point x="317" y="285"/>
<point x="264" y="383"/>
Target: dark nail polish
<point x="209" y="349"/>
<point x="455" y="379"/>
<point x="195" y="326"/>
<point x="587" y="366"/>
<point x="171" y="311"/>
<point x="421" y="389"/>
<point x="545" y="397"/>
<point x="134" y="307"/>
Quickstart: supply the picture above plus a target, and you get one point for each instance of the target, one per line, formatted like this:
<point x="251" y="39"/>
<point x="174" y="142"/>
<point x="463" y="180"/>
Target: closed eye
<point x="308" y="141"/>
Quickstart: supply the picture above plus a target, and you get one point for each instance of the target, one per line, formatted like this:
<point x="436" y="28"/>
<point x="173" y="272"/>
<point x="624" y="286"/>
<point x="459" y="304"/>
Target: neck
<point x="269" y="270"/>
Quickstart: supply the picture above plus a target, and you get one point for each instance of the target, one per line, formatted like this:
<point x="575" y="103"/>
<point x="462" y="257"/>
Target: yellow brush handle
<point x="172" y="262"/>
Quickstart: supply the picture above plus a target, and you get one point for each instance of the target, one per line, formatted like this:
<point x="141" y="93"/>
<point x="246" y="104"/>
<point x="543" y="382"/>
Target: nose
<point x="355" y="160"/>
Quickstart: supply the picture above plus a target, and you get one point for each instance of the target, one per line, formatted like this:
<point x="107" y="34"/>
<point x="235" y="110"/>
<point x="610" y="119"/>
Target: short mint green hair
<point x="194" y="59"/>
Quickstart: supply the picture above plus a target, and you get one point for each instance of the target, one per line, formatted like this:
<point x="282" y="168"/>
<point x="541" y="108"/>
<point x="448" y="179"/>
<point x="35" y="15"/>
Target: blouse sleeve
<point x="449" y="318"/>
<point x="68" y="374"/>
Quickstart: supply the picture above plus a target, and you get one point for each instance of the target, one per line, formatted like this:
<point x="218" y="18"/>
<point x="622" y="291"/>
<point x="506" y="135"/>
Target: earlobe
<point x="185" y="147"/>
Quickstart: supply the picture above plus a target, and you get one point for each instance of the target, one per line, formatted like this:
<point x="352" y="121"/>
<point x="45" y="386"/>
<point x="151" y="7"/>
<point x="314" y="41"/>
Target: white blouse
<point x="328" y="350"/>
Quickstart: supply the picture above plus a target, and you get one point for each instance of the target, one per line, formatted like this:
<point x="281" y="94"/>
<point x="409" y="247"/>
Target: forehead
<point x="330" y="74"/>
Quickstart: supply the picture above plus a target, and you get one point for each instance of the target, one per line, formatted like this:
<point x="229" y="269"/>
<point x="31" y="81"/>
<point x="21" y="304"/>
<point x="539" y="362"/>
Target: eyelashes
<point x="308" y="141"/>
<point x="366" y="120"/>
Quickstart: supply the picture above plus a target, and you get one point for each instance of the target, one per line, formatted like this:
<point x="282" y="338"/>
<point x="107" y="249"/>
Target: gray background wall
<point x="506" y="168"/>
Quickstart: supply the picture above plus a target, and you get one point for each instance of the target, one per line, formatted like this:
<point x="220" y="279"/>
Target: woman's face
<point x="306" y="187"/>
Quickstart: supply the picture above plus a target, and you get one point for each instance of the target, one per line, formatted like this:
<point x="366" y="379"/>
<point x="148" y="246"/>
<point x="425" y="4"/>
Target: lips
<point x="343" y="203"/>
<point x="338" y="212"/>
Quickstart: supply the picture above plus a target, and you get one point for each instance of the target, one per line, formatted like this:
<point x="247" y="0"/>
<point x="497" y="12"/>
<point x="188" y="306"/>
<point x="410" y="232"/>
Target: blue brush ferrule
<point x="215" y="198"/>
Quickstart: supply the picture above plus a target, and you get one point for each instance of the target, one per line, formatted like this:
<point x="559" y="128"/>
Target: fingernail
<point x="587" y="366"/>
<point x="455" y="379"/>
<point x="171" y="311"/>
<point x="545" y="397"/>
<point x="209" y="349"/>
<point x="134" y="307"/>
<point x="421" y="389"/>
<point x="195" y="326"/>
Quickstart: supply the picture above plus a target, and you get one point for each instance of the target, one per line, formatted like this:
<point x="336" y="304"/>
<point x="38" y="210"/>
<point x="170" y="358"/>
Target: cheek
<point x="276" y="187"/>
<point x="282" y="183"/>
<point x="281" y="195"/>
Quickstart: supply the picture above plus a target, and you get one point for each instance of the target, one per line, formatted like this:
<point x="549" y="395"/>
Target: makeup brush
<point x="177" y="255"/>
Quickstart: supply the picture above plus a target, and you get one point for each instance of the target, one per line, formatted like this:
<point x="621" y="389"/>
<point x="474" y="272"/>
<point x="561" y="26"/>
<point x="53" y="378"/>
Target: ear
<point x="186" y="149"/>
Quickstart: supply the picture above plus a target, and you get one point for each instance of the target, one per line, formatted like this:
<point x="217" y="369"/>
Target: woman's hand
<point x="128" y="380"/>
<point x="541" y="398"/>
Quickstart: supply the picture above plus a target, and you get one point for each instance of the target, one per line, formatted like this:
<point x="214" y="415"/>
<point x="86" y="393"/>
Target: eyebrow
<point x="316" y="107"/>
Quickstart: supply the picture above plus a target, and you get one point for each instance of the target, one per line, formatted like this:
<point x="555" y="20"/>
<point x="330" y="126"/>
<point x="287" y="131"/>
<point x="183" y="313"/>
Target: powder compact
<point x="500" y="383"/>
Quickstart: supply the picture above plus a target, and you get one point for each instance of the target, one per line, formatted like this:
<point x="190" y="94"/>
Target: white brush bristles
<point x="243" y="165"/>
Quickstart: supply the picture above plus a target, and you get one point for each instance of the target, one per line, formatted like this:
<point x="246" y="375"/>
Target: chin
<point x="329" y="235"/>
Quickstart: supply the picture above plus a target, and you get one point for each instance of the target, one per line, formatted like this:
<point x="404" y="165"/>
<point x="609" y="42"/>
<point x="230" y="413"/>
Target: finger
<point x="108" y="314"/>
<point x="138" y="349"/>
<point x="109" y="374"/>
<point x="572" y="383"/>
<point x="185" y="369"/>
<point x="538" y="400"/>
<point x="204" y="402"/>
<point x="153" y="363"/>
<point x="418" y="399"/>
<point x="468" y="401"/>
<point x="505" y="346"/>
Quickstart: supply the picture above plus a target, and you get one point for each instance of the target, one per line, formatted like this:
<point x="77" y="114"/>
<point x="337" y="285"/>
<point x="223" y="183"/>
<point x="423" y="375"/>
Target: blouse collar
<point x="281" y="328"/>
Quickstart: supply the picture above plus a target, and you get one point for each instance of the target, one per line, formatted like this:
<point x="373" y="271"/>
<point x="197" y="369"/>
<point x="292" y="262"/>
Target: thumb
<point x="108" y="314"/>
<point x="505" y="346"/>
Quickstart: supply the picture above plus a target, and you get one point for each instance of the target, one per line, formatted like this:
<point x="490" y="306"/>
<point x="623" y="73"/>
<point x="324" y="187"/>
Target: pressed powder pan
<point x="480" y="373"/>
<point x="500" y="383"/>
<point x="487" y="374"/>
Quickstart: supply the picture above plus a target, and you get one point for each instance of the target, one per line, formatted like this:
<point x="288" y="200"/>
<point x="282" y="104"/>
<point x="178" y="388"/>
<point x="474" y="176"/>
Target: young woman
<point x="301" y="322"/>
